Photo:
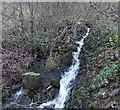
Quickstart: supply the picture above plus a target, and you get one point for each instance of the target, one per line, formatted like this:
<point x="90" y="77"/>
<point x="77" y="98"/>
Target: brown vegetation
<point x="43" y="28"/>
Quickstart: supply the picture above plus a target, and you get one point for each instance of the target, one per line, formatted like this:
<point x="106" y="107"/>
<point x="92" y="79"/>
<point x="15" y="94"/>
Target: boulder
<point x="32" y="81"/>
<point x="51" y="63"/>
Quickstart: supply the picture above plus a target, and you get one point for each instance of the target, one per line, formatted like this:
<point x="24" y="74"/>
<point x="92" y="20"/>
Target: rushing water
<point x="67" y="79"/>
<point x="18" y="93"/>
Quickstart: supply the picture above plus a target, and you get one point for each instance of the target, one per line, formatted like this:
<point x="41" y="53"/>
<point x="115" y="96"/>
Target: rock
<point x="55" y="83"/>
<point x="32" y="81"/>
<point x="27" y="62"/>
<point x="15" y="87"/>
<point x="35" y="65"/>
<point x="66" y="59"/>
<point x="51" y="63"/>
<point x="39" y="51"/>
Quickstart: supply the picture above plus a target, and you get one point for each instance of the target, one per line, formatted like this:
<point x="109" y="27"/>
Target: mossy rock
<point x="27" y="62"/>
<point x="32" y="81"/>
<point x="66" y="59"/>
<point x="26" y="70"/>
<point x="55" y="83"/>
<point x="35" y="65"/>
<point x="51" y="63"/>
<point x="25" y="92"/>
<point x="83" y="71"/>
<point x="70" y="46"/>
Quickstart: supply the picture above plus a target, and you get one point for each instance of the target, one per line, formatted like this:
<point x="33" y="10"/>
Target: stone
<point x="32" y="81"/>
<point x="55" y="83"/>
<point x="51" y="63"/>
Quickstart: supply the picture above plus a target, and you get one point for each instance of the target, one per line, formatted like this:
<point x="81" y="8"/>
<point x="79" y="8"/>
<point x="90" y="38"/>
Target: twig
<point x="103" y="12"/>
<point x="15" y="104"/>
<point x="47" y="89"/>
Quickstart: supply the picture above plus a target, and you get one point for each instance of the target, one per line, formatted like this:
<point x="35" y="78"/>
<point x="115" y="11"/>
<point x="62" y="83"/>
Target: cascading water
<point x="67" y="78"/>
<point x="18" y="93"/>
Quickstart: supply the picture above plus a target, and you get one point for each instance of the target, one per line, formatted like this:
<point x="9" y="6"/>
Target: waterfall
<point x="67" y="79"/>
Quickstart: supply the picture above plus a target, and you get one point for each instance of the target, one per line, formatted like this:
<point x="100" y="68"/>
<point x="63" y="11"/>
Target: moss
<point x="66" y="59"/>
<point x="4" y="94"/>
<point x="26" y="70"/>
<point x="43" y="48"/>
<point x="51" y="64"/>
<point x="92" y="107"/>
<point x="50" y="96"/>
<point x="32" y="81"/>
<point x="37" y="98"/>
<point x="55" y="83"/>
<point x="83" y="71"/>
<point x="71" y="46"/>
<point x="25" y="92"/>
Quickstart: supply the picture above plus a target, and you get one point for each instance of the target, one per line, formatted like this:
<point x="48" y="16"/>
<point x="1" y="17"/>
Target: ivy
<point x="93" y="86"/>
<point x="104" y="74"/>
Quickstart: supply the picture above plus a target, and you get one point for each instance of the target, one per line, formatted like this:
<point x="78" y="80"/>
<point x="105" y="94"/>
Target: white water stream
<point x="67" y="78"/>
<point x="17" y="94"/>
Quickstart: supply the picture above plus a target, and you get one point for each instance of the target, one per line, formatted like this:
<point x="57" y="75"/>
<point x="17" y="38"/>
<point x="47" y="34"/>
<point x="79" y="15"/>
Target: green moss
<point x="54" y="81"/>
<point x="32" y="81"/>
<point x="43" y="48"/>
<point x="51" y="63"/>
<point x="4" y="94"/>
<point x="26" y="70"/>
<point x="25" y="92"/>
<point x="70" y="46"/>
<point x="92" y="107"/>
<point x="83" y="71"/>
<point x="37" y="98"/>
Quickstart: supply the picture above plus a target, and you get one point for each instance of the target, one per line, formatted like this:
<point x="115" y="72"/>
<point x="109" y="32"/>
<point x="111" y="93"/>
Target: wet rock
<point x="55" y="83"/>
<point x="15" y="87"/>
<point x="32" y="81"/>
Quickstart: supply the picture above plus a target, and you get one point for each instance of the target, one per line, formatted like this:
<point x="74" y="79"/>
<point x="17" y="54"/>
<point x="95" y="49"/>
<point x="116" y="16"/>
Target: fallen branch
<point x="47" y="89"/>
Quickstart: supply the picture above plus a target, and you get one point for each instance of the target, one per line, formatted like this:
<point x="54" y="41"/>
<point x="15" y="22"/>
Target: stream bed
<point x="67" y="79"/>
